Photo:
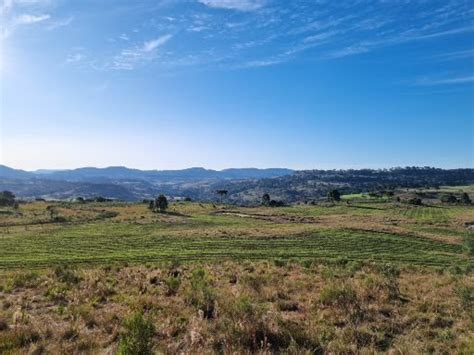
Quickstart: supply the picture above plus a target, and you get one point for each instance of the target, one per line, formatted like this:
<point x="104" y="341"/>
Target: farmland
<point x="332" y="277"/>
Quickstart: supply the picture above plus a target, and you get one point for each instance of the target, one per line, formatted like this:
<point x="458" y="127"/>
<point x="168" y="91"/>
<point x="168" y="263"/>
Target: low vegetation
<point x="356" y="276"/>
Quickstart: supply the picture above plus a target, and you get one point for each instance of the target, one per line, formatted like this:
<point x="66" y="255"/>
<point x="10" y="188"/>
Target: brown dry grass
<point x="245" y="307"/>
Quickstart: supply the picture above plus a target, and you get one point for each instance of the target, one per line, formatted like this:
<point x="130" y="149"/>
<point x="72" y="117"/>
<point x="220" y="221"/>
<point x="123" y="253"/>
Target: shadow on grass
<point x="367" y="207"/>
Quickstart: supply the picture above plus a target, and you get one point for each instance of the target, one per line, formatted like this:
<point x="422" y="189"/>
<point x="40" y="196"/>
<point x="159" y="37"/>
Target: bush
<point x="415" y="201"/>
<point x="67" y="275"/>
<point x="465" y="199"/>
<point x="468" y="243"/>
<point x="29" y="279"/>
<point x="391" y="273"/>
<point x="173" y="283"/>
<point x="449" y="198"/>
<point x="137" y="337"/>
<point x="21" y="337"/>
<point x="202" y="295"/>
<point x="342" y="296"/>
<point x="107" y="214"/>
<point x="59" y="219"/>
<point x="465" y="294"/>
<point x="280" y="262"/>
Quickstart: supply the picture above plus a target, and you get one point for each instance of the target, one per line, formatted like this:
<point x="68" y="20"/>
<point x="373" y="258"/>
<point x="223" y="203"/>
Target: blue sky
<point x="165" y="84"/>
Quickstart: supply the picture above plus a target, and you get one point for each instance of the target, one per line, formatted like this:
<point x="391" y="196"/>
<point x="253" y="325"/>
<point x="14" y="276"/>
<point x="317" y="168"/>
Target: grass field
<point x="104" y="233"/>
<point x="346" y="278"/>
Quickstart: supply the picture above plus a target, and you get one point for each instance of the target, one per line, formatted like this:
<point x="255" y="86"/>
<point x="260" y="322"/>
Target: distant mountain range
<point x="123" y="173"/>
<point x="244" y="186"/>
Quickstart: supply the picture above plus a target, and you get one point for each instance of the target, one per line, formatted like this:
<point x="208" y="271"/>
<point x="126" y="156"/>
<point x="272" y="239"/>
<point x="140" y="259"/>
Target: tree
<point x="52" y="211"/>
<point x="415" y="201"/>
<point x="334" y="195"/>
<point x="161" y="202"/>
<point x="265" y="199"/>
<point x="151" y="205"/>
<point x="465" y="199"/>
<point x="7" y="198"/>
<point x="449" y="198"/>
<point x="222" y="194"/>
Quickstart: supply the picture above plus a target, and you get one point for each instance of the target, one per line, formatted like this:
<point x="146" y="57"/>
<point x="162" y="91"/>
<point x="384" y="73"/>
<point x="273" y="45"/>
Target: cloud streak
<point x="240" y="5"/>
<point x="130" y="58"/>
<point x="468" y="79"/>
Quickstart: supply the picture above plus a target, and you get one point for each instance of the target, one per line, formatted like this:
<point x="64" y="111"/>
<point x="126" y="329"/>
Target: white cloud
<point x="241" y="5"/>
<point x="155" y="43"/>
<point x="61" y="23"/>
<point x="26" y="19"/>
<point x="74" y="58"/>
<point x="446" y="81"/>
<point x="129" y="58"/>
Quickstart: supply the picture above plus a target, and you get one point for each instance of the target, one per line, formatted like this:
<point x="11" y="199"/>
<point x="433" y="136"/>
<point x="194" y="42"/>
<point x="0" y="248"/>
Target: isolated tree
<point x="52" y="211"/>
<point x="265" y="199"/>
<point x="151" y="205"/>
<point x="7" y="198"/>
<point x="161" y="203"/>
<point x="334" y="195"/>
<point x="415" y="201"/>
<point x="222" y="194"/>
<point x="449" y="198"/>
<point x="465" y="199"/>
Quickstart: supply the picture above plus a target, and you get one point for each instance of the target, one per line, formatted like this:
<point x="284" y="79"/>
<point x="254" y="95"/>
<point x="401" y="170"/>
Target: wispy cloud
<point x="446" y="81"/>
<point x="27" y="19"/>
<point x="129" y="58"/>
<point x="60" y="23"/>
<point x="75" y="57"/>
<point x="150" y="46"/>
<point x="241" y="5"/>
<point x="469" y="53"/>
<point x="15" y="14"/>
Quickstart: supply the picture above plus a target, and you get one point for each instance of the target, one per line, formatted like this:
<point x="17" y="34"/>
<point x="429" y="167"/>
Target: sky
<point x="170" y="84"/>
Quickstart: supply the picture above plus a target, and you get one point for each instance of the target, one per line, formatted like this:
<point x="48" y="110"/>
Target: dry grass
<point x="247" y="307"/>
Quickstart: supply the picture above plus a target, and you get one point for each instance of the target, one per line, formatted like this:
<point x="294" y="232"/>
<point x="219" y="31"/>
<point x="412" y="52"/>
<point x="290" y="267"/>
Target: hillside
<point x="244" y="186"/>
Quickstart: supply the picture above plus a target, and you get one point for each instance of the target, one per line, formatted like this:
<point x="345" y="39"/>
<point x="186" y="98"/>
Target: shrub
<point x="465" y="294"/>
<point x="288" y="306"/>
<point x="391" y="273"/>
<point x="280" y="262"/>
<point x="202" y="295"/>
<point x="449" y="198"/>
<point x="415" y="201"/>
<point x="10" y="341"/>
<point x="465" y="199"/>
<point x="173" y="283"/>
<point x="67" y="275"/>
<point x="29" y="279"/>
<point x="59" y="219"/>
<point x="334" y="195"/>
<point x="107" y="214"/>
<point x="468" y="243"/>
<point x="57" y="294"/>
<point x="137" y="337"/>
<point x="342" y="296"/>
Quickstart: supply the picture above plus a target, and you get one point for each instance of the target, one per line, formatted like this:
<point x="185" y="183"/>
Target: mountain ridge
<point x="122" y="172"/>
